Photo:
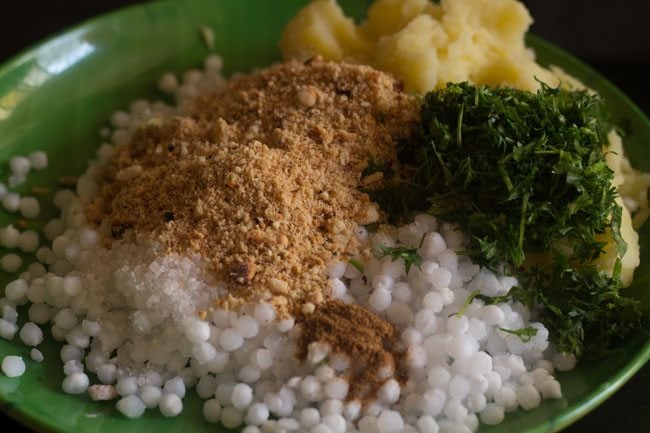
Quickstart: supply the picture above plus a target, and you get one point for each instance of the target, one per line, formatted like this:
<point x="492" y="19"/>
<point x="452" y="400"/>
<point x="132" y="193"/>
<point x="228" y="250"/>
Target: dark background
<point x="613" y="37"/>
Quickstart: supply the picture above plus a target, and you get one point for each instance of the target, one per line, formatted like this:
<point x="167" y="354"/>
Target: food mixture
<point x="264" y="177"/>
<point x="315" y="246"/>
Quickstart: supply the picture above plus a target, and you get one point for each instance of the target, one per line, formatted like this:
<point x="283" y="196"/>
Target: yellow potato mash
<point x="427" y="45"/>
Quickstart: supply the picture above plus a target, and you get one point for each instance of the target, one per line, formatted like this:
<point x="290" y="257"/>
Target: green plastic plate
<point x="57" y="95"/>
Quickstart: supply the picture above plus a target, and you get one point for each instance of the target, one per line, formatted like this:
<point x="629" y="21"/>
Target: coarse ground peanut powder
<point x="371" y="343"/>
<point x="262" y="178"/>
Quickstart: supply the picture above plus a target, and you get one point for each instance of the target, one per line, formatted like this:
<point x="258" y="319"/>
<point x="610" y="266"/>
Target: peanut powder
<point x="261" y="178"/>
<point x="369" y="341"/>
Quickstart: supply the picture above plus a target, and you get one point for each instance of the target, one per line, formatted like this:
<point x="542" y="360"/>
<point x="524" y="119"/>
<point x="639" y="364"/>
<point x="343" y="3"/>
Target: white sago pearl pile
<point x="128" y="317"/>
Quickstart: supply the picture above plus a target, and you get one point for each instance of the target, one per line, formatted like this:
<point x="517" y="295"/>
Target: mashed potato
<point x="428" y="45"/>
<point x="632" y="186"/>
<point x="425" y="44"/>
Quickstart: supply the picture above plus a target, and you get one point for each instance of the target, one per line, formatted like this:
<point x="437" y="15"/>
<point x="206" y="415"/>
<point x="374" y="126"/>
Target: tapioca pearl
<point x="175" y="385"/>
<point x="380" y="300"/>
<point x="75" y="383"/>
<point x="528" y="397"/>
<point x="170" y="405"/>
<point x="550" y="388"/>
<point x="335" y="422"/>
<point x="212" y="411"/>
<point x="257" y="414"/>
<point x="462" y="347"/>
<point x="13" y="366"/>
<point x="433" y="301"/>
<point x="309" y="417"/>
<point x="131" y="406"/>
<point x="506" y="397"/>
<point x="230" y="340"/>
<point x="426" y="424"/>
<point x="264" y="313"/>
<point x="11" y="262"/>
<point x="389" y="392"/>
<point x="564" y="361"/>
<point x="38" y="160"/>
<point x="28" y="241"/>
<point x="457" y="325"/>
<point x="433" y="401"/>
<point x="150" y="395"/>
<point x="432" y="245"/>
<point x="31" y="334"/>
<point x="197" y="331"/>
<point x="242" y="396"/>
<point x="390" y="421"/>
<point x="399" y="313"/>
<point x="425" y="321"/>
<point x="29" y="208"/>
<point x="247" y="326"/>
<point x="476" y="402"/>
<point x="492" y="414"/>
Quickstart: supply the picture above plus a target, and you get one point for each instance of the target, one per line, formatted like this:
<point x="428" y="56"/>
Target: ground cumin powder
<point x="371" y="343"/>
<point x="262" y="178"/>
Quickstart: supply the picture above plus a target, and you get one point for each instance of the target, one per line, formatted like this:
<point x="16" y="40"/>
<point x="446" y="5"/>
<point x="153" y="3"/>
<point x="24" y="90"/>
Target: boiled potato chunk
<point x="321" y="28"/>
<point x="408" y="53"/>
<point x="425" y="44"/>
<point x="386" y="17"/>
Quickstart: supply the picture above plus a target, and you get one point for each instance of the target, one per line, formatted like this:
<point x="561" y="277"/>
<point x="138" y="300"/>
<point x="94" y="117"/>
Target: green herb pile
<point x="525" y="173"/>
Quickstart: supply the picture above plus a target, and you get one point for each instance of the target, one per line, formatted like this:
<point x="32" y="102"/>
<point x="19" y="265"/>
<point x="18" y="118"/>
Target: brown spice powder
<point x="371" y="343"/>
<point x="262" y="178"/>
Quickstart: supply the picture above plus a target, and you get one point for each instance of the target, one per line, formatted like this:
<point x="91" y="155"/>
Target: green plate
<point x="57" y="96"/>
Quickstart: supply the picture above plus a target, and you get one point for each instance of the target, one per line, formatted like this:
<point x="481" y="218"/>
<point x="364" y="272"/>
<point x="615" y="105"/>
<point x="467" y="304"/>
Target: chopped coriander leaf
<point x="524" y="173"/>
<point x="468" y="301"/>
<point x="487" y="300"/>
<point x="410" y="256"/>
<point x="530" y="169"/>
<point x="376" y="165"/>
<point x="357" y="265"/>
<point x="493" y="300"/>
<point x="525" y="334"/>
<point x="583" y="309"/>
